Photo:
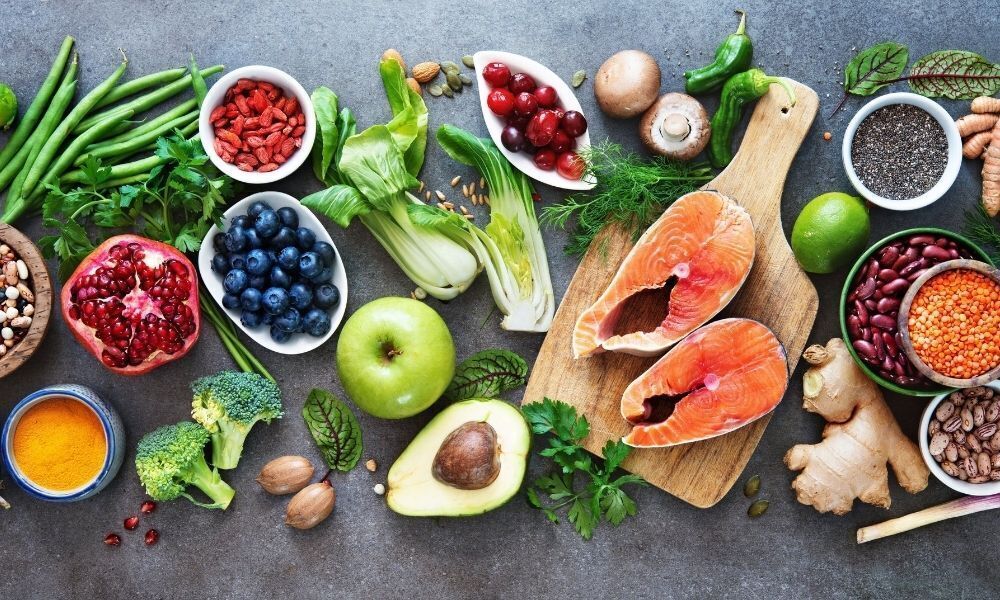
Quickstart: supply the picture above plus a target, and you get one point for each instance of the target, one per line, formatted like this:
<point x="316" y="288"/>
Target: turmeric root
<point x="974" y="123"/>
<point x="991" y="174"/>
<point x="975" y="146"/>
<point x="986" y="104"/>
<point x="860" y="437"/>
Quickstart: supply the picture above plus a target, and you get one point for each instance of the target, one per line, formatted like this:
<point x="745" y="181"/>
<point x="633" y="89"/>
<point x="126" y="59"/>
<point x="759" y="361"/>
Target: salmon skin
<point x="718" y="379"/>
<point x="704" y="245"/>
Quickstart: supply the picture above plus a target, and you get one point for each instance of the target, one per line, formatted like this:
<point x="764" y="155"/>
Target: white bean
<point x="22" y="270"/>
<point x="12" y="293"/>
<point x="6" y="333"/>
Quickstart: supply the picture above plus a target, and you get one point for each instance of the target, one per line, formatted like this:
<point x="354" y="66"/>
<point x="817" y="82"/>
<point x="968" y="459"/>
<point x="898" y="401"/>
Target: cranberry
<point x="559" y="112"/>
<point x="546" y="96"/>
<point x="152" y="536"/>
<point x="545" y="159"/>
<point x="496" y="74"/>
<point x="574" y="123"/>
<point x="512" y="138"/>
<point x="542" y="127"/>
<point x="501" y="102"/>
<point x="570" y="165"/>
<point x="521" y="82"/>
<point x="147" y="507"/>
<point x="525" y="104"/>
<point x="562" y="142"/>
<point x="113" y="539"/>
<point x="519" y="121"/>
<point x="131" y="522"/>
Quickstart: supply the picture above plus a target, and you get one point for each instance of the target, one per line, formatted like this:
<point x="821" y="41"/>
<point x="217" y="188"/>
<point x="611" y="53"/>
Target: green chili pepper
<point x="739" y="90"/>
<point x="731" y="57"/>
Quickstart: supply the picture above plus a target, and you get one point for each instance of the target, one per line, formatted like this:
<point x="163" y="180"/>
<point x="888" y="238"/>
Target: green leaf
<point x="532" y="496"/>
<point x="954" y="74"/>
<point x="615" y="452"/>
<point x="555" y="486"/>
<point x="555" y="416"/>
<point x="409" y="107"/>
<point x="582" y="518"/>
<point x="335" y="429"/>
<point x="616" y="505"/>
<point x="874" y="68"/>
<point x="487" y="374"/>
<point x="341" y="203"/>
<point x="374" y="164"/>
<point x="327" y="132"/>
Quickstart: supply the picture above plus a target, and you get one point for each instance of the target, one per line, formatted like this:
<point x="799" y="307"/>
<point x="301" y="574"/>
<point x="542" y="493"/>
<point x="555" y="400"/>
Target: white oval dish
<point x="986" y="488"/>
<point x="954" y="150"/>
<point x="543" y="76"/>
<point x="299" y="342"/>
<point x="216" y="95"/>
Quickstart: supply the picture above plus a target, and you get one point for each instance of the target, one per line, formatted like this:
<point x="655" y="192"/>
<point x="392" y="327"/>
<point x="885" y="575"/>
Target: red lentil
<point x="954" y="323"/>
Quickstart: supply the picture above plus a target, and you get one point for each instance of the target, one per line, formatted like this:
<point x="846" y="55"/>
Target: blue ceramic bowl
<point x="114" y="433"/>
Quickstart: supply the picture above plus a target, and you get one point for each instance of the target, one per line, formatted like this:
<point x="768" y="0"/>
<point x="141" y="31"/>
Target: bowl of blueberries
<point x="275" y="270"/>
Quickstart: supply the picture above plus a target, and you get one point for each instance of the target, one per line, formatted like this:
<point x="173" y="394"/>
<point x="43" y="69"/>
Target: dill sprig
<point x="980" y="228"/>
<point x="632" y="191"/>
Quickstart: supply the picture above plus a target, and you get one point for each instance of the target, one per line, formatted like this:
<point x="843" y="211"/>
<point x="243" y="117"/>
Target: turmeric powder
<point x="991" y="174"/>
<point x="974" y="146"/>
<point x="986" y="104"/>
<point x="974" y="123"/>
<point x="59" y="444"/>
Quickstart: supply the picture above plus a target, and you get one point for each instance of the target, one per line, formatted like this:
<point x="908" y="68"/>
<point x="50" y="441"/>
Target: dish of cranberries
<point x="534" y="118"/>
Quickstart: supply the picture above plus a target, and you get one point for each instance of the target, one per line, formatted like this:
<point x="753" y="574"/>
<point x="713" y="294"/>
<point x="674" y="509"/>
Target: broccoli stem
<point x="227" y="444"/>
<point x="210" y="482"/>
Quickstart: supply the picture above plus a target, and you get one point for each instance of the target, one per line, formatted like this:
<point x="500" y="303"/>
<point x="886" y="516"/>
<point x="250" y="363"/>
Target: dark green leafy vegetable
<point x="982" y="230"/>
<point x="602" y="496"/>
<point x="954" y="74"/>
<point x="335" y="429"/>
<point x="333" y="129"/>
<point x="872" y="69"/>
<point x="487" y="374"/>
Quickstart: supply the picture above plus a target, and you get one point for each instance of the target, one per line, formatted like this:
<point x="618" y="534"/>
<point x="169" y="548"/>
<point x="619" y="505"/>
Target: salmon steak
<point x="695" y="256"/>
<point x="721" y="377"/>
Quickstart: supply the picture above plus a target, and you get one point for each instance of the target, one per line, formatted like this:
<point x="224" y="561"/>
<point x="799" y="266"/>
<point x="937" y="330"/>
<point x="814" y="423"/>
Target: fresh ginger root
<point x="974" y="123"/>
<point x="991" y="174"/>
<point x="860" y="437"/>
<point x="985" y="104"/>
<point x="975" y="145"/>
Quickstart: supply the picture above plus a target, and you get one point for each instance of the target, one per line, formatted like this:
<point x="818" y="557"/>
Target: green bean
<point x="136" y="143"/>
<point x="113" y="183"/>
<point x="38" y="105"/>
<point x="197" y="81"/>
<point x="134" y="86"/>
<point x="62" y="132"/>
<point x="181" y="109"/>
<point x="147" y="101"/>
<point x="124" y="169"/>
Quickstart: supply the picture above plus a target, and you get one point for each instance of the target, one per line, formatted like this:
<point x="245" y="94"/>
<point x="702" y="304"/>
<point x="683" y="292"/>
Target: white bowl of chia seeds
<point x="902" y="151"/>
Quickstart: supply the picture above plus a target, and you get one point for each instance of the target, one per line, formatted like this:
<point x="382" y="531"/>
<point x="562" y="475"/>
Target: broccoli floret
<point x="172" y="457"/>
<point x="228" y="405"/>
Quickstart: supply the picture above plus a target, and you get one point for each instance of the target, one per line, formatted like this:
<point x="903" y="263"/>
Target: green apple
<point x="395" y="357"/>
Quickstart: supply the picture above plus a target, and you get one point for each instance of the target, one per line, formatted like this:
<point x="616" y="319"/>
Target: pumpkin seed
<point x="466" y="80"/>
<point x="447" y="65"/>
<point x="752" y="486"/>
<point x="757" y="509"/>
<point x="447" y="91"/>
<point x="434" y="90"/>
<point x="454" y="82"/>
<point x="578" y="78"/>
<point x="468" y="61"/>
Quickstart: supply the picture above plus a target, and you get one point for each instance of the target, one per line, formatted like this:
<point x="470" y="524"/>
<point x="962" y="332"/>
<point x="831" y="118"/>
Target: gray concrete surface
<point x="669" y="549"/>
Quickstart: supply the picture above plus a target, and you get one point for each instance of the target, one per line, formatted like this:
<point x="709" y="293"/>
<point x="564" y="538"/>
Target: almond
<point x="393" y="54"/>
<point x="426" y="71"/>
<point x="414" y="85"/>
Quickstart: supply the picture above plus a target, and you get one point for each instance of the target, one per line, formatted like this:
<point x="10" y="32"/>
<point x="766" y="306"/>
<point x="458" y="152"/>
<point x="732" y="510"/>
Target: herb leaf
<point x="487" y="374"/>
<point x="954" y="74"/>
<point x="335" y="429"/>
<point x="981" y="229"/>
<point x="874" y="68"/>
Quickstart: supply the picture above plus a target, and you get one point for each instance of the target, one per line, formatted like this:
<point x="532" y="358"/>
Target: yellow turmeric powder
<point x="59" y="444"/>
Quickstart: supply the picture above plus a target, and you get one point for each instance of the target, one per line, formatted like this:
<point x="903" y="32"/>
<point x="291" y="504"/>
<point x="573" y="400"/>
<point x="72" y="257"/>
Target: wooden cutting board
<point x="777" y="293"/>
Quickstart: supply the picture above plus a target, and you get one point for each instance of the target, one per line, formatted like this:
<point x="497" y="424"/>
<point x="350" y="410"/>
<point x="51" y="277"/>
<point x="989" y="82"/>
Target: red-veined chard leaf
<point x="954" y="74"/>
<point x="335" y="429"/>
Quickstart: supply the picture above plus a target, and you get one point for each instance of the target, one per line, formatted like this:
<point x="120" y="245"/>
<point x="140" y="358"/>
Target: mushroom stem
<point x="675" y="127"/>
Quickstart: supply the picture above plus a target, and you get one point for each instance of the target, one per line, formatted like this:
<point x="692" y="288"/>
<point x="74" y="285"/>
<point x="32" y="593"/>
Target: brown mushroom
<point x="627" y="83"/>
<point x="677" y="126"/>
<point x="469" y="458"/>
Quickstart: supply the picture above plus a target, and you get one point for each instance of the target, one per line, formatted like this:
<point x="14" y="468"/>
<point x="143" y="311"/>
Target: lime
<point x="831" y="231"/>
<point x="8" y="106"/>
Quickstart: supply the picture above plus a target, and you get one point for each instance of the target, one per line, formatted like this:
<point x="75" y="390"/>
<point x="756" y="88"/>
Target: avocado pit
<point x="469" y="458"/>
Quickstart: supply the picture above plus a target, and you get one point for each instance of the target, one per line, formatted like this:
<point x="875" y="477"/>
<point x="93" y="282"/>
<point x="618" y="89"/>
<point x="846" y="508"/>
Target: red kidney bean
<point x="909" y="256"/>
<point x="861" y="311"/>
<point x="887" y="305"/>
<point x="916" y="275"/>
<point x="865" y="349"/>
<point x="899" y="339"/>
<point x="916" y="265"/>
<point x="887" y="363"/>
<point x="888" y="256"/>
<point x="879" y="346"/>
<point x="871" y="304"/>
<point x="887" y="275"/>
<point x="898" y="369"/>
<point x="883" y="322"/>
<point x="952" y="253"/>
<point x="878" y="295"/>
<point x="890" y="344"/>
<point x="854" y="326"/>
<point x="941" y="241"/>
<point x="866" y="334"/>
<point x="866" y="289"/>
<point x="935" y="252"/>
<point x="872" y="270"/>
<point x="895" y="286"/>
<point x="921" y="239"/>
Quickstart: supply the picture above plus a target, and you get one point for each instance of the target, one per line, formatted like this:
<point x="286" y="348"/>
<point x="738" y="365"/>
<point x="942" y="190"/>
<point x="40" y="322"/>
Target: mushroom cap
<point x="627" y="83"/>
<point x="677" y="126"/>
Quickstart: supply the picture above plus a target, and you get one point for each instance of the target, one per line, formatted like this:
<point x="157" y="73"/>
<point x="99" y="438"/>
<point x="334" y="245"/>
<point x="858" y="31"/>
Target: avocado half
<point x="415" y="487"/>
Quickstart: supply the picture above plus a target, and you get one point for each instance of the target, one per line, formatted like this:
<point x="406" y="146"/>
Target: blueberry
<point x="325" y="251"/>
<point x="288" y="259"/>
<point x="230" y="301"/>
<point x="258" y="262"/>
<point x="253" y="238"/>
<point x="267" y="319"/>
<point x="305" y="238"/>
<point x="316" y="322"/>
<point x="267" y="224"/>
<point x="275" y="300"/>
<point x="241" y="221"/>
<point x="302" y="296"/>
<point x="258" y="282"/>
<point x="284" y="238"/>
<point x="250" y="318"/>
<point x="236" y="240"/>
<point x="238" y="261"/>
<point x="279" y="335"/>
<point x="325" y="276"/>
<point x="288" y="217"/>
<point x="310" y="265"/>
<point x="280" y="278"/>
<point x="326" y="296"/>
<point x="250" y="299"/>
<point x="288" y="320"/>
<point x="256" y="208"/>
<point x="236" y="281"/>
<point x="219" y="242"/>
<point x="220" y="264"/>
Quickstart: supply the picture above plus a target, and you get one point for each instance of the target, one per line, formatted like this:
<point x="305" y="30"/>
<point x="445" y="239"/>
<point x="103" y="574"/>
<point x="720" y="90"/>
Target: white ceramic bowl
<point x="972" y="489"/>
<point x="215" y="97"/>
<point x="299" y="342"/>
<point x="954" y="150"/>
<point x="522" y="161"/>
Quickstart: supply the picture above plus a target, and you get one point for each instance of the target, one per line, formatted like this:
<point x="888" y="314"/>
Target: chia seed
<point x="899" y="151"/>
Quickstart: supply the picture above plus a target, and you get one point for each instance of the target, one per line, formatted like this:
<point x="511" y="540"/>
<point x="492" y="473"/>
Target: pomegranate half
<point x="133" y="303"/>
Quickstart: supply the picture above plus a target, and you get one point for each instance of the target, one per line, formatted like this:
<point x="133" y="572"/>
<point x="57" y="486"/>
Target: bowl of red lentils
<point x="950" y="323"/>
<point x="257" y="124"/>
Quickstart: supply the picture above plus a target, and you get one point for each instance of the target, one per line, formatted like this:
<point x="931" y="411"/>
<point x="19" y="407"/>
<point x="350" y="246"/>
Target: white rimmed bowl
<point x="951" y="134"/>
<point x="114" y="434"/>
<point x="522" y="161"/>
<point x="215" y="97"/>
<point x="299" y="342"/>
<point x="987" y="488"/>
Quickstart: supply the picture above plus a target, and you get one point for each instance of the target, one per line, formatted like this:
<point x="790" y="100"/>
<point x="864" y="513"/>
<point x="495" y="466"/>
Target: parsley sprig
<point x="602" y="496"/>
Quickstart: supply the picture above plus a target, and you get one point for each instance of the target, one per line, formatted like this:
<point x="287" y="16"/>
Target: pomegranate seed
<point x="147" y="507"/>
<point x="113" y="539"/>
<point x="131" y="522"/>
<point x="151" y="537"/>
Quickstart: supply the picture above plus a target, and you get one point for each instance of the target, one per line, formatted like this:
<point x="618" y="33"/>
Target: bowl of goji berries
<point x="257" y="124"/>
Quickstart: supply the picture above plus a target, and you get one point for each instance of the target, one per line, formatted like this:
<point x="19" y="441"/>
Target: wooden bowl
<point x="41" y="284"/>
<point x="904" y="328"/>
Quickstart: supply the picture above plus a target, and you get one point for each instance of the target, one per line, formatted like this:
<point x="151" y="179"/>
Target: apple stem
<point x="393" y="352"/>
